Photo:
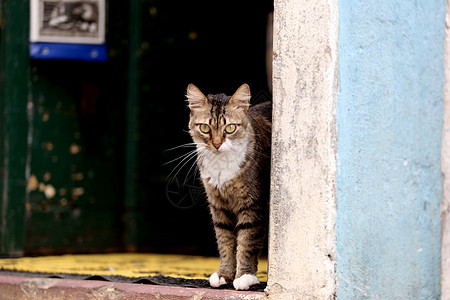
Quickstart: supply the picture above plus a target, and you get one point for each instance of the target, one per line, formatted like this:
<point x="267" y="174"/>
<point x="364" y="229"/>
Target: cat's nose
<point x="217" y="145"/>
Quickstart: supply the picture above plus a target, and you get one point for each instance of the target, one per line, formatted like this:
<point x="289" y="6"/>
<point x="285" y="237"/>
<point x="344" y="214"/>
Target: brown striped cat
<point x="233" y="154"/>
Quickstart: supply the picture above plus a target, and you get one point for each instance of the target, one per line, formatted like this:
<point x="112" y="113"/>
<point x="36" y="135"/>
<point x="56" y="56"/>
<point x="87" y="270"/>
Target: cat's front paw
<point x="245" y="281"/>
<point x="216" y="281"/>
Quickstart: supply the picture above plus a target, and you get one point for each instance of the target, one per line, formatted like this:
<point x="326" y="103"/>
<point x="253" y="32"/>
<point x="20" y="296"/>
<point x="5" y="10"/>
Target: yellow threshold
<point x="124" y="264"/>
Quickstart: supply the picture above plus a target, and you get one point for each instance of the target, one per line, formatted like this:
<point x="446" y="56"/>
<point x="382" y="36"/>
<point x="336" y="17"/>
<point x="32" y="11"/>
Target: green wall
<point x="61" y="128"/>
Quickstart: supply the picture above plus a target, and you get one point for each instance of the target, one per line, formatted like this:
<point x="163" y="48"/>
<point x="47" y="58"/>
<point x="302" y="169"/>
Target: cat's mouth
<point x="215" y="150"/>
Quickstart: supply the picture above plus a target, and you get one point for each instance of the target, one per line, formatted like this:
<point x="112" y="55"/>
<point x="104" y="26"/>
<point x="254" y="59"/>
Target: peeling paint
<point x="74" y="149"/>
<point x="77" y="192"/>
<point x="109" y="292"/>
<point x="4" y="202"/>
<point x="32" y="286"/>
<point x="78" y="176"/>
<point x="48" y="146"/>
<point x="49" y="191"/>
<point x="47" y="176"/>
<point x="44" y="206"/>
<point x="76" y="214"/>
<point x="249" y="297"/>
<point x="197" y="296"/>
<point x="30" y="119"/>
<point x="32" y="183"/>
<point x="62" y="191"/>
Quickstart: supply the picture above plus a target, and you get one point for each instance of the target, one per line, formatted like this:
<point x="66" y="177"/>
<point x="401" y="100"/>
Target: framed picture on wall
<point x="68" y="30"/>
<point x="67" y="21"/>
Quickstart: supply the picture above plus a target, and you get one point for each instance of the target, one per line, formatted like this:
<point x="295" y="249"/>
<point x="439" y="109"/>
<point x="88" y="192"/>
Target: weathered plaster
<point x="389" y="118"/>
<point x="445" y="250"/>
<point x="302" y="221"/>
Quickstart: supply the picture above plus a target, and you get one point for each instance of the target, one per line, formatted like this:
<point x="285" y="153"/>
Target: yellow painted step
<point x="124" y="264"/>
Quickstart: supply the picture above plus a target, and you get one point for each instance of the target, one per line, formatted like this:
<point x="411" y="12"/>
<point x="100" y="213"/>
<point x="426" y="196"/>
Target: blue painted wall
<point x="389" y="116"/>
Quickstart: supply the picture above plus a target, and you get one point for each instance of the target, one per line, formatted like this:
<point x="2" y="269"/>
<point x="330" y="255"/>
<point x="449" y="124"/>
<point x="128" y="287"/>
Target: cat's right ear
<point x="241" y="98"/>
<point x="195" y="97"/>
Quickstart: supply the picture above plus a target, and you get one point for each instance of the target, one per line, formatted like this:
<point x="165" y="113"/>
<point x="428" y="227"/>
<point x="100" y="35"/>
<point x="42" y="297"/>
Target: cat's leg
<point x="250" y="241"/>
<point x="226" y="243"/>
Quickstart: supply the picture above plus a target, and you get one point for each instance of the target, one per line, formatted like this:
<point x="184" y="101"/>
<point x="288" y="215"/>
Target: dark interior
<point x="217" y="46"/>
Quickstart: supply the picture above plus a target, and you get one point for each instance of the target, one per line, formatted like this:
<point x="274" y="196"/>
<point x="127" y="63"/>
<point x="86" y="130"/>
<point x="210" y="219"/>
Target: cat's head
<point x="219" y="121"/>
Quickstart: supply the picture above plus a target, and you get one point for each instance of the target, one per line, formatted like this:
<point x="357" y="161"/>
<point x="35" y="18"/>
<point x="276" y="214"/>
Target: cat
<point x="233" y="143"/>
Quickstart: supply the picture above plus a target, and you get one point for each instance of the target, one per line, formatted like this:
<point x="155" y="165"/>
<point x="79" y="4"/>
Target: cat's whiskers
<point x="193" y="164"/>
<point x="187" y="145"/>
<point x="201" y="153"/>
<point x="180" y="157"/>
<point x="260" y="154"/>
<point x="186" y="158"/>
<point x="249" y="156"/>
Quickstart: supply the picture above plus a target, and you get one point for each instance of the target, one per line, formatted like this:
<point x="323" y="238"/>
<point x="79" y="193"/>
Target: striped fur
<point x="238" y="197"/>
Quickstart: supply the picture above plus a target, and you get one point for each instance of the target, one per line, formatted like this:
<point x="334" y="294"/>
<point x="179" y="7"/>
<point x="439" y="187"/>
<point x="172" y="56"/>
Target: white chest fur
<point x="223" y="165"/>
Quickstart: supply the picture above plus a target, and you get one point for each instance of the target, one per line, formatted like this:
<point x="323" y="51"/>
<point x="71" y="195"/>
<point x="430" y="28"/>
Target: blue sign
<point x="62" y="51"/>
<point x="68" y="30"/>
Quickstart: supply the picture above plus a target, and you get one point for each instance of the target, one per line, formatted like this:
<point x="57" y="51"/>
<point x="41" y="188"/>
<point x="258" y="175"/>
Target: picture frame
<point x="67" y="21"/>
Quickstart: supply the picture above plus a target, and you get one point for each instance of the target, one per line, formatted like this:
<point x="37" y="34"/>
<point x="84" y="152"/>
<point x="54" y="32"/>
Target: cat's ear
<point x="241" y="98"/>
<point x="195" y="97"/>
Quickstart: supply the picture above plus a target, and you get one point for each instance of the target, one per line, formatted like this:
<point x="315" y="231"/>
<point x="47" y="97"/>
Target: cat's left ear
<point x="241" y="98"/>
<point x="195" y="97"/>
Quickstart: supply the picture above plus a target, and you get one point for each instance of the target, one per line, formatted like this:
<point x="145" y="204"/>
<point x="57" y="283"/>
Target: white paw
<point x="215" y="281"/>
<point x="245" y="281"/>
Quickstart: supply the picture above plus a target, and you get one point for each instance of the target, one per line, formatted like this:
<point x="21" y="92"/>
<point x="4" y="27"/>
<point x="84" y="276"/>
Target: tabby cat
<point x="233" y="154"/>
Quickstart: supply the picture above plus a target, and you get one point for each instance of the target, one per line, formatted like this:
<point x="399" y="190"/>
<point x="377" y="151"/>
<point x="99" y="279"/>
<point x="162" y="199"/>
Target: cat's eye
<point x="230" y="128"/>
<point x="205" y="128"/>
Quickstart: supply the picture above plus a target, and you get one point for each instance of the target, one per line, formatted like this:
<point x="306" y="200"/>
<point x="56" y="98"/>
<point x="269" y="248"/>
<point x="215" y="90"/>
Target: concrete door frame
<point x="303" y="208"/>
